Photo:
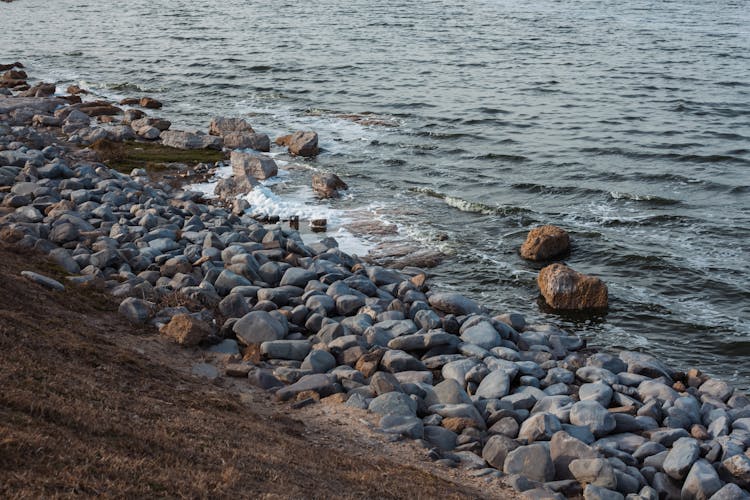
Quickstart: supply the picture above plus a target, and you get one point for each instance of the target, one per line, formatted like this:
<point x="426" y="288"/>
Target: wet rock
<point x="186" y="330"/>
<point x="149" y="103"/>
<point x="327" y="185"/>
<point x="301" y="143"/>
<point x="566" y="289"/>
<point x="545" y="242"/>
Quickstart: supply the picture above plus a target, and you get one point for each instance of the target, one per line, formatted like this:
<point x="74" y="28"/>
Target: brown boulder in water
<point x="150" y="103"/>
<point x="222" y="126"/>
<point x="300" y="143"/>
<point x="327" y="184"/>
<point x="566" y="289"/>
<point x="545" y="242"/>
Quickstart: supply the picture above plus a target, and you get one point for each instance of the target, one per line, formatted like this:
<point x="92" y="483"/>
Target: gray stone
<point x="43" y="280"/>
<point x="295" y="350"/>
<point x="348" y="305"/>
<point x="296" y="276"/>
<point x="594" y="374"/>
<point x="598" y="391"/>
<point x="136" y="310"/>
<point x="442" y="438"/>
<point x="454" y="303"/>
<point x="205" y="370"/>
<point x="227" y="280"/>
<point x="596" y="471"/>
<point x="449" y="391"/>
<point x="667" y="437"/>
<point x="226" y="346"/>
<point x="702" y="481"/>
<point x="730" y="491"/>
<point x="594" y="492"/>
<point x="652" y="390"/>
<point x="458" y="369"/>
<point x="323" y="384"/>
<point x="532" y="461"/>
<point x="716" y="388"/>
<point x="645" y="364"/>
<point x="400" y="361"/>
<point x="594" y="416"/>
<point x="460" y="411"/>
<point x="565" y="448"/>
<point x="403" y="425"/>
<point x="685" y="451"/>
<point x="495" y="385"/>
<point x="739" y="467"/>
<point x="394" y="403"/>
<point x="427" y="319"/>
<point x="319" y="361"/>
<point x="539" y="427"/>
<point x="496" y="450"/>
<point x="187" y="140"/>
<point x="257" y="327"/>
<point x="384" y="382"/>
<point x="482" y="334"/>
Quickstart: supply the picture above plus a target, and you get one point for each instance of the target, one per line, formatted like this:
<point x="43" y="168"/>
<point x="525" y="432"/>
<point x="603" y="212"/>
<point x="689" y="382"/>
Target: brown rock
<point x="99" y="108"/>
<point x="130" y="101"/>
<point x="699" y="432"/>
<point x="14" y="84"/>
<point x="222" y="126"/>
<point x="75" y="90"/>
<point x="4" y="67"/>
<point x="39" y="90"/>
<point x="150" y="103"/>
<point x="251" y="165"/>
<point x="335" y="399"/>
<point x="14" y="75"/>
<point x="545" y="242"/>
<point x="327" y="185"/>
<point x="304" y="395"/>
<point x="283" y="140"/>
<point x="566" y="289"/>
<point x="368" y="364"/>
<point x="186" y="330"/>
<point x="245" y="140"/>
<point x="303" y="143"/>
<point x="458" y="424"/>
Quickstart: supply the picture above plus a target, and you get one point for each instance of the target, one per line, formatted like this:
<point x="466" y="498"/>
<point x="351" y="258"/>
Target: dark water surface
<point x="627" y="123"/>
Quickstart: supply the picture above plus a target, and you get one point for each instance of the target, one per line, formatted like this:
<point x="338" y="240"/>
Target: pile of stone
<point x="481" y="391"/>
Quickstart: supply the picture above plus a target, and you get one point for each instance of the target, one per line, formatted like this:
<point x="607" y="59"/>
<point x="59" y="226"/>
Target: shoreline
<point x="315" y="322"/>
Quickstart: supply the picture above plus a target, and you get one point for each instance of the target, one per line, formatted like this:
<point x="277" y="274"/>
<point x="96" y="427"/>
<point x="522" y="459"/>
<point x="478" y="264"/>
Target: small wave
<point x="656" y="200"/>
<point x="688" y="158"/>
<point x="128" y="86"/>
<point x="499" y="156"/>
<point x="470" y="206"/>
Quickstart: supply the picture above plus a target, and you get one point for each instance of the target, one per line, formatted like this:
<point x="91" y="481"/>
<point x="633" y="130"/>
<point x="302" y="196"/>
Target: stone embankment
<point x="490" y="393"/>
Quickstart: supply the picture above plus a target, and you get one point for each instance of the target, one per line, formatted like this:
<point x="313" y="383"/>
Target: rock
<point x="404" y="425"/>
<point x="296" y="350"/>
<point x="453" y="303"/>
<point x="532" y="461"/>
<point x="394" y="403"/>
<point x="594" y="492"/>
<point x="566" y="289"/>
<point x="319" y="361"/>
<point x="716" y="388"/>
<point x="222" y="126"/>
<point x="596" y="471"/>
<point x="494" y="386"/>
<point x="136" y="310"/>
<point x="255" y="166"/>
<point x="149" y="103"/>
<point x="327" y="184"/>
<point x="645" y="364"/>
<point x="187" y="140"/>
<point x="295" y="276"/>
<point x="257" y="327"/>
<point x="496" y="450"/>
<point x="682" y="456"/>
<point x="739" y="467"/>
<point x="565" y="448"/>
<point x="43" y="280"/>
<point x="243" y="140"/>
<point x="449" y="392"/>
<point x="323" y="384"/>
<point x="598" y="391"/>
<point x="441" y="437"/>
<point x="545" y="242"/>
<point x="205" y="370"/>
<point x="539" y="427"/>
<point x="702" y="481"/>
<point x="594" y="416"/>
<point x="399" y="361"/>
<point x="730" y="491"/>
<point x="186" y="330"/>
<point x="301" y="143"/>
<point x="482" y="334"/>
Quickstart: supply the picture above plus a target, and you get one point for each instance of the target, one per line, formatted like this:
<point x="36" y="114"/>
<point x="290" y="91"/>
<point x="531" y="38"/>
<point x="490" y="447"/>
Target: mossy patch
<point x="154" y="157"/>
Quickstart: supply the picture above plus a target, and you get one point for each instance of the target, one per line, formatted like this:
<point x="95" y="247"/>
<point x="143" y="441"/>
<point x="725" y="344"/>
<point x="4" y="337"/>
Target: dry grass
<point x="92" y="406"/>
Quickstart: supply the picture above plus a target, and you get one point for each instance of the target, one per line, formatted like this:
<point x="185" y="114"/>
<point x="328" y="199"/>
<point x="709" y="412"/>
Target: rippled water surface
<point x="627" y="123"/>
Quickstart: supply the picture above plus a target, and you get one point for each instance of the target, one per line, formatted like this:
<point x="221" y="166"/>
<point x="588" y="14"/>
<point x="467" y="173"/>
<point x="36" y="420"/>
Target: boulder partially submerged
<point x="566" y="289"/>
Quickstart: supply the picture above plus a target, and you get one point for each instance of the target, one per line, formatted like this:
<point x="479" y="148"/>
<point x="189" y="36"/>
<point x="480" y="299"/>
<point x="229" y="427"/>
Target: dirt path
<point x="92" y="406"/>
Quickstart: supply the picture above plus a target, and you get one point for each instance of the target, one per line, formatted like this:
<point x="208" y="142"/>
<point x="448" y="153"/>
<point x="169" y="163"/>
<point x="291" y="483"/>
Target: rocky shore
<point x="524" y="403"/>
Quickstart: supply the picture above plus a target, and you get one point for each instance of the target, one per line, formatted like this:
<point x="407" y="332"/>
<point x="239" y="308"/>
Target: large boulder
<point x="250" y="165"/>
<point x="327" y="184"/>
<point x="545" y="242"/>
<point x="257" y="327"/>
<point x="244" y="140"/>
<point x="300" y="143"/>
<point x="566" y="289"/>
<point x="188" y="140"/>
